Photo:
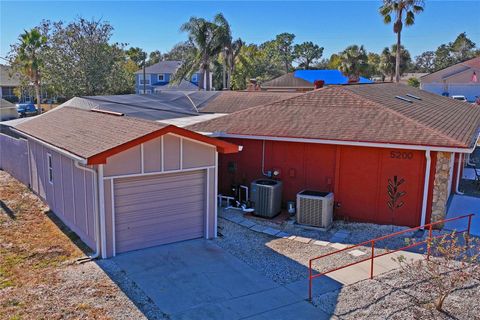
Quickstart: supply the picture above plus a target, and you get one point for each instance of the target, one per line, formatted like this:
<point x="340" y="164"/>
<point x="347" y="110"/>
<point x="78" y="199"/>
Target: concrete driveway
<point x="199" y="280"/>
<point x="462" y="205"/>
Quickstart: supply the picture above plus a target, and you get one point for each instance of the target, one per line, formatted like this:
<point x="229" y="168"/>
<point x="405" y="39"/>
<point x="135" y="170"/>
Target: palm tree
<point x="353" y="62"/>
<point x="232" y="56"/>
<point x="28" y="59"/>
<point x="404" y="12"/>
<point x="207" y="41"/>
<point x="388" y="61"/>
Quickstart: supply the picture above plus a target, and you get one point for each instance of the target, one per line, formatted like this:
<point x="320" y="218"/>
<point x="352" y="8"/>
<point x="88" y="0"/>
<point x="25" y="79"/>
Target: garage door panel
<point x="160" y="209"/>
<point x="153" y="180"/>
<point x="150" y="231"/>
<point x="166" y="187"/>
<point x="160" y="204"/>
<point x="158" y="197"/>
<point x="168" y="238"/>
<point x="185" y="218"/>
<point x="167" y="211"/>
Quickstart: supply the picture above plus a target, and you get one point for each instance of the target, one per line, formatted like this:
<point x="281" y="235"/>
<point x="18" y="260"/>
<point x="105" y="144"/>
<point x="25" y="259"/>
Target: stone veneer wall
<point x="440" y="186"/>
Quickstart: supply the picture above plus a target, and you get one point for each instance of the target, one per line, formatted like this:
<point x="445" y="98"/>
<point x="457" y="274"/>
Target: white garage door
<point x="160" y="209"/>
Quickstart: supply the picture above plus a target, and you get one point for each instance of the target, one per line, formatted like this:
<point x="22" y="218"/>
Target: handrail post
<point x="310" y="280"/>
<point x="373" y="256"/>
<point x="429" y="241"/>
<point x="467" y="238"/>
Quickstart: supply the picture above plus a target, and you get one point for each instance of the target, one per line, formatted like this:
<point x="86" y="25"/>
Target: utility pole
<point x="144" y="81"/>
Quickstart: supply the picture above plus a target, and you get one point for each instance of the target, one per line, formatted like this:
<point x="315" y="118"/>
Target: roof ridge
<point x="443" y="135"/>
<point x="134" y="119"/>
<point x="281" y="100"/>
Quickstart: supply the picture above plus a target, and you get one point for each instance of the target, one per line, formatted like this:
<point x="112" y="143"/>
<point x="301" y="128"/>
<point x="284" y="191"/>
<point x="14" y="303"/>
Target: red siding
<point x="358" y="176"/>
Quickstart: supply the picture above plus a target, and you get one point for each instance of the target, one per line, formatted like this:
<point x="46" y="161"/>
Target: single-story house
<point x="122" y="183"/>
<point x="353" y="140"/>
<point x="460" y="79"/>
<point x="304" y="80"/>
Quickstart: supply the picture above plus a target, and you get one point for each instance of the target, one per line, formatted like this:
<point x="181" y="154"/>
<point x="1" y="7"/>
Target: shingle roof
<point x="456" y="68"/>
<point x="96" y="135"/>
<point x="287" y="80"/>
<point x="232" y="101"/>
<point x="473" y="63"/>
<point x="359" y="113"/>
<point x="162" y="67"/>
<point x="159" y="106"/>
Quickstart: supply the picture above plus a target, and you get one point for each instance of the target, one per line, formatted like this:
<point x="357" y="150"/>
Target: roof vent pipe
<point x="112" y="113"/>
<point x="404" y="99"/>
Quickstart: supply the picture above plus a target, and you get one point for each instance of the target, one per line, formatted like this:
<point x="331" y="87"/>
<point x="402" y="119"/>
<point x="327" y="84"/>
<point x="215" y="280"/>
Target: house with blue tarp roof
<point x="304" y="80"/>
<point x="330" y="77"/>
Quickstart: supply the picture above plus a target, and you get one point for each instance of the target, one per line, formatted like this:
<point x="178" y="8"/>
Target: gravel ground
<point x="394" y="296"/>
<point x="281" y="260"/>
<point x="358" y="232"/>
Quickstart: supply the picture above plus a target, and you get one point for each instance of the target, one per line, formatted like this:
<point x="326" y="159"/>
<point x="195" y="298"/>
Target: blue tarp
<point x="329" y="76"/>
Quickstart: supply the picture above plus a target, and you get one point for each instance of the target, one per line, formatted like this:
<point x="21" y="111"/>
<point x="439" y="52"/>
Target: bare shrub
<point x="451" y="262"/>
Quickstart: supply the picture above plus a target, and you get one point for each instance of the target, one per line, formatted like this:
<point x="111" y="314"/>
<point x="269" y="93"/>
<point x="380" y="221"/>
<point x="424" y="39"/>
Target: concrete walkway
<point x="462" y="205"/>
<point x="199" y="280"/>
<point x="361" y="271"/>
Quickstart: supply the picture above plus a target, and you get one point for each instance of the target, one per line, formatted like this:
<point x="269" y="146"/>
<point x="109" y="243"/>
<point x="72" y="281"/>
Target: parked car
<point x="460" y="98"/>
<point x="26" y="109"/>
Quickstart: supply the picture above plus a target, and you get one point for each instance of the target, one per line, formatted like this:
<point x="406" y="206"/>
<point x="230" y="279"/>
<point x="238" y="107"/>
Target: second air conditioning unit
<point x="315" y="208"/>
<point x="266" y="195"/>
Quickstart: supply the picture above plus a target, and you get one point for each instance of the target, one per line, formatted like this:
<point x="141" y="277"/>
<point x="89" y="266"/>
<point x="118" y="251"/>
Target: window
<point x="50" y="168"/>
<point x="144" y="81"/>
<point x="195" y="78"/>
<point x="161" y="77"/>
<point x="144" y="92"/>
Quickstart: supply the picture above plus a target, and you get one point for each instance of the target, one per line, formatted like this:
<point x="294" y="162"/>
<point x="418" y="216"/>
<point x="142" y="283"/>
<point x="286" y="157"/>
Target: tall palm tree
<point x="207" y="41"/>
<point x="232" y="57"/>
<point x="28" y="59"/>
<point x="388" y="61"/>
<point x="404" y="12"/>
<point x="353" y="62"/>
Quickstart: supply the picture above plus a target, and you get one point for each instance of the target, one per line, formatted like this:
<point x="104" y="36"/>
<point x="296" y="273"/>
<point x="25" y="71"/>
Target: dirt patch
<point x="39" y="276"/>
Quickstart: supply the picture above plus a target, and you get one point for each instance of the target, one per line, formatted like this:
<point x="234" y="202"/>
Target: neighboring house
<point x="304" y="80"/>
<point x="352" y="140"/>
<point x="8" y="110"/>
<point x="122" y="183"/>
<point x="8" y="82"/>
<point x="460" y="79"/>
<point x="158" y="78"/>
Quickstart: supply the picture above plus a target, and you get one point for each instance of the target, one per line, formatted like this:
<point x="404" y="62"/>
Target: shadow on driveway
<point x="197" y="279"/>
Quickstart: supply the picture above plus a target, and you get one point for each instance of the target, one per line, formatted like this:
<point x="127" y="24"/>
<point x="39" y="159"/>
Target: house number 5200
<point x="401" y="155"/>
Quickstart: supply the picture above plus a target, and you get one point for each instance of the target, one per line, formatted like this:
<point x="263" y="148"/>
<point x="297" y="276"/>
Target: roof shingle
<point x="86" y="133"/>
<point x="359" y="113"/>
<point x="232" y="101"/>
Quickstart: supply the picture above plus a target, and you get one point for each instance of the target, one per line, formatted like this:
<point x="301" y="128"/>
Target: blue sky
<point x="332" y="24"/>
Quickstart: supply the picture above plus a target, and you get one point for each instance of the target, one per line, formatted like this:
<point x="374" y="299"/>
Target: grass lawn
<point x="39" y="275"/>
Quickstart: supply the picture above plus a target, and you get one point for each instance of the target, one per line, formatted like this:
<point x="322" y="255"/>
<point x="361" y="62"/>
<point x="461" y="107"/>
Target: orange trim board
<point x="222" y="146"/>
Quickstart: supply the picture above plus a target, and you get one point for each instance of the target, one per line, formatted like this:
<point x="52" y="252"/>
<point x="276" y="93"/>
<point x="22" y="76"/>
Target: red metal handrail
<point x="372" y="242"/>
